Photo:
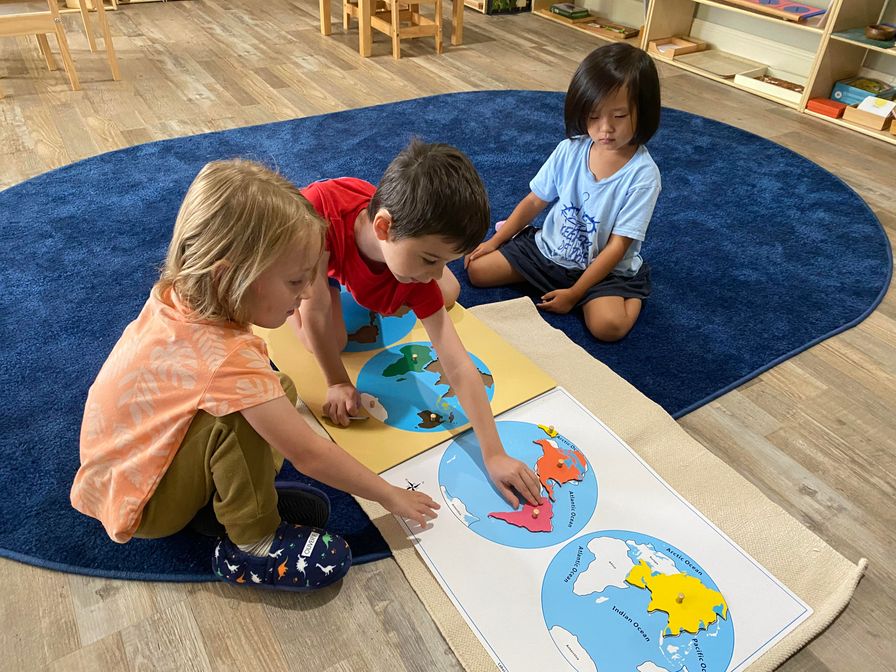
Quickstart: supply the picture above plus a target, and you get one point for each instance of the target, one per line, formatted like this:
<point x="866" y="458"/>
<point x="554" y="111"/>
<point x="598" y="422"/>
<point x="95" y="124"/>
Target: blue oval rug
<point x="756" y="253"/>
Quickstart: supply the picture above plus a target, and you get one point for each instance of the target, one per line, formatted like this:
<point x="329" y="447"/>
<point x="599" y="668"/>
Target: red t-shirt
<point x="340" y="201"/>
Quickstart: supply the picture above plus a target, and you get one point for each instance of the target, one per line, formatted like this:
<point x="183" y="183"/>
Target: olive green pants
<point x="223" y="460"/>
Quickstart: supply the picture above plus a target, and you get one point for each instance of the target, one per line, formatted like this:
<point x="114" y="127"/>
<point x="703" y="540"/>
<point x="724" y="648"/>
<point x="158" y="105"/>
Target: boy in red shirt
<point x="389" y="245"/>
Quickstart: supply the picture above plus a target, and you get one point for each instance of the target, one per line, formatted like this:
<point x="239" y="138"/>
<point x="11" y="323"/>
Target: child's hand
<point x="416" y="506"/>
<point x="483" y="249"/>
<point x="507" y="472"/>
<point x="342" y="402"/>
<point x="559" y="301"/>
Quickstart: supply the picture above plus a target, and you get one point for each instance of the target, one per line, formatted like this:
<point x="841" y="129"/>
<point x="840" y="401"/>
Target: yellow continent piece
<point x="550" y="431"/>
<point x="696" y="608"/>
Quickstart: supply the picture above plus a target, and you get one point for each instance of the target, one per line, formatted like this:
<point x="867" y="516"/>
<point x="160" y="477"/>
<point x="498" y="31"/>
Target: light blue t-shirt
<point x="588" y="210"/>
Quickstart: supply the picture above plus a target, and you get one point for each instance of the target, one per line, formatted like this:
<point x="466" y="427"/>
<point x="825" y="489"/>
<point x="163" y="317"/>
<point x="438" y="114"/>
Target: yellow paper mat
<point x="379" y="446"/>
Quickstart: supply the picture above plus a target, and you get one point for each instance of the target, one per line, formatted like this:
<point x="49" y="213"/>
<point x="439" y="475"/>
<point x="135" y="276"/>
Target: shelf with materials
<point x="730" y="82"/>
<point x="886" y="136"/>
<point x="771" y="49"/>
<point x="813" y="25"/>
<point x="842" y="57"/>
<point x="891" y="51"/>
<point x="814" y="54"/>
<point x="600" y="12"/>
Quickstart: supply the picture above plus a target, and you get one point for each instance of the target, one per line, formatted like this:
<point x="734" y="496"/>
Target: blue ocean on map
<point x="368" y="330"/>
<point x="407" y="381"/>
<point x="600" y="622"/>
<point x="471" y="496"/>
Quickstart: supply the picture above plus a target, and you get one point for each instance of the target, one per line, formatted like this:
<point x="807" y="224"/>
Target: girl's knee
<point x="607" y="329"/>
<point x="476" y="273"/>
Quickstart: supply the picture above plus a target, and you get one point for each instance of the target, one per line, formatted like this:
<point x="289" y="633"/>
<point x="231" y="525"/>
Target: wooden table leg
<point x="457" y="27"/>
<point x="364" y="30"/>
<point x="326" y="26"/>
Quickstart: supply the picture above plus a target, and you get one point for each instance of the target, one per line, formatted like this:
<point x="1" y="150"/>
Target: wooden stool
<point x="398" y="20"/>
<point x="350" y="10"/>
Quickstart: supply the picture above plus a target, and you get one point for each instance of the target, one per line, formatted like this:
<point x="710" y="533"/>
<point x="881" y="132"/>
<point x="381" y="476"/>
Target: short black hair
<point x="603" y="72"/>
<point x="434" y="189"/>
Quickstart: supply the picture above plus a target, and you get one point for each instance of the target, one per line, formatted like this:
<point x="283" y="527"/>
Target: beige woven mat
<point x="803" y="562"/>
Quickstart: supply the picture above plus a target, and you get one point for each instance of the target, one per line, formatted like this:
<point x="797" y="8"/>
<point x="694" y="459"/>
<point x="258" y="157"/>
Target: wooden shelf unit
<point x="807" y="53"/>
<point x="541" y="8"/>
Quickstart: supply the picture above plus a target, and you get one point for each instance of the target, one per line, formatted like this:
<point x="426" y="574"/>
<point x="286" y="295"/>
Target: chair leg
<point x="346" y="17"/>
<point x="45" y="50"/>
<point x="66" y="56"/>
<point x="365" y="32"/>
<point x="396" y="24"/>
<point x="439" y="26"/>
<point x="326" y="26"/>
<point x="88" y="28"/>
<point x="107" y="39"/>
<point x="457" y="23"/>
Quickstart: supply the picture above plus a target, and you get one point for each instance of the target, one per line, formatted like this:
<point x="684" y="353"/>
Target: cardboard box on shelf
<point x="867" y="119"/>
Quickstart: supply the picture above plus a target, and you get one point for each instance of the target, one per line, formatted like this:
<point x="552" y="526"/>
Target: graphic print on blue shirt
<point x="587" y="211"/>
<point x="577" y="233"/>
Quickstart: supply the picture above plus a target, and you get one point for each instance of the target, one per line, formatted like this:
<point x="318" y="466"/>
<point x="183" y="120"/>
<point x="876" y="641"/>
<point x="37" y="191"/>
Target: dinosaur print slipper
<point x="297" y="503"/>
<point x="301" y="558"/>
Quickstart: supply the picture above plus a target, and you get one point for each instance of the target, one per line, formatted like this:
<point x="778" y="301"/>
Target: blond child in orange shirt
<point x="187" y="414"/>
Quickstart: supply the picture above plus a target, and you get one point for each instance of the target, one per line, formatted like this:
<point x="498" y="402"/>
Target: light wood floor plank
<point x="105" y="654"/>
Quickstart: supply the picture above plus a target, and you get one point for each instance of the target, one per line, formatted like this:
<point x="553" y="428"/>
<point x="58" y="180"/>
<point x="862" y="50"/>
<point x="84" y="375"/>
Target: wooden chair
<point x="400" y="19"/>
<point x="40" y="19"/>
<point x="98" y="6"/>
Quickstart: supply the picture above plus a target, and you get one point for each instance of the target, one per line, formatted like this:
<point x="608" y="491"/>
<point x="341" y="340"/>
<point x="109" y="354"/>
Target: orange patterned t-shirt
<point x="164" y="369"/>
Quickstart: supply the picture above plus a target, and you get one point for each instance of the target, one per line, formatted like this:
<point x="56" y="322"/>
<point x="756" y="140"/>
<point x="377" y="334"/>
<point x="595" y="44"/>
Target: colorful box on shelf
<point x="778" y="84"/>
<point x="854" y="90"/>
<point x="827" y="107"/>
<point x="784" y="9"/>
<point x="670" y="47"/>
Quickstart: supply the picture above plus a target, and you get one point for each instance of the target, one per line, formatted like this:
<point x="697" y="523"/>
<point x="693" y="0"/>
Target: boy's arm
<point x="317" y="322"/>
<point x="506" y="472"/>
<point x="564" y="300"/>
<point x="278" y="423"/>
<point x="525" y="211"/>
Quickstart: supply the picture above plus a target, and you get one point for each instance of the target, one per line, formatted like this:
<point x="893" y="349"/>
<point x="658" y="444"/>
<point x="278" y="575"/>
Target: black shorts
<point x="523" y="255"/>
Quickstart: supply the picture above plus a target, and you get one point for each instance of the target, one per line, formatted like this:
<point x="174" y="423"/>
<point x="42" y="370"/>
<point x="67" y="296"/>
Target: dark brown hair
<point x="604" y="71"/>
<point x="433" y="189"/>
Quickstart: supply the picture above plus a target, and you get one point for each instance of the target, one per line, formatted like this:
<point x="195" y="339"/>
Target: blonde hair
<point x="236" y="219"/>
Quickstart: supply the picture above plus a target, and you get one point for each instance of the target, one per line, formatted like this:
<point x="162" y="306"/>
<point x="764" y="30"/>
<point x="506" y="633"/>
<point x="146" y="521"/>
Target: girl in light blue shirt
<point x="604" y="185"/>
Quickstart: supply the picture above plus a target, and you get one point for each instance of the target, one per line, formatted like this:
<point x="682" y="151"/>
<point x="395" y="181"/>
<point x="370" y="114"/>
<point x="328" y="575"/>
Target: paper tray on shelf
<point x="750" y="80"/>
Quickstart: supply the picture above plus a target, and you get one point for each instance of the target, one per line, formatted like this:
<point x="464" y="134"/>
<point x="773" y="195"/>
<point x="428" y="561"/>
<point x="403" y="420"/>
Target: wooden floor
<point x="817" y="434"/>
